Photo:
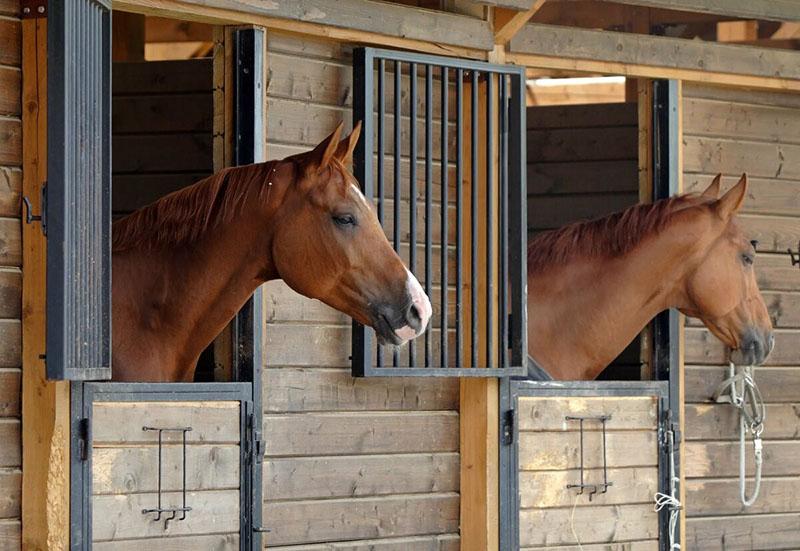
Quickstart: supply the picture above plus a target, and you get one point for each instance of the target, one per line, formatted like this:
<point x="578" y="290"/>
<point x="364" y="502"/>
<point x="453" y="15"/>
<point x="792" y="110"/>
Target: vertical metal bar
<point x="381" y="132"/>
<point x="160" y="432"/>
<point x="428" y="197"/>
<point x="503" y="360"/>
<point x="474" y="219"/>
<point x="444" y="279"/>
<point x="518" y="215"/>
<point x="398" y="134"/>
<point x="183" y="513"/>
<point x="412" y="205"/>
<point x="489" y="218"/>
<point x="459" y="212"/>
<point x="363" y="84"/>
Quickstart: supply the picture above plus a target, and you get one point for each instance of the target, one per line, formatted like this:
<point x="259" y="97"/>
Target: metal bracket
<point x="159" y="510"/>
<point x="593" y="488"/>
<point x="508" y="427"/>
<point x="84" y="437"/>
<point x="34" y="9"/>
<point x="794" y="256"/>
<point x="30" y="218"/>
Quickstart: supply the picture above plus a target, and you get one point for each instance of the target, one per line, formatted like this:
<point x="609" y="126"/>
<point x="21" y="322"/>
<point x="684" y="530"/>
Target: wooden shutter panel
<point x="78" y="211"/>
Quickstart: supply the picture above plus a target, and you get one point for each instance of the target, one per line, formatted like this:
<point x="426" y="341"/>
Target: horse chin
<point x="747" y="356"/>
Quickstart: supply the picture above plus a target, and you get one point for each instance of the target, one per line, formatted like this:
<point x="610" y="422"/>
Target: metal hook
<point x="794" y="256"/>
<point x="29" y="216"/>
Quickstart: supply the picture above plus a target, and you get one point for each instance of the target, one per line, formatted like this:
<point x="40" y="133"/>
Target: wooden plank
<point x="159" y="29"/>
<point x="581" y="116"/>
<point x="741" y="95"/>
<point x="744" y="533"/>
<point x="759" y="159"/>
<point x="721" y="422"/>
<point x="122" y="422"/>
<point x="10" y="42"/>
<point x="704" y="348"/>
<point x="153" y="77"/>
<point x="773" y="10"/>
<point x="545" y="527"/>
<point x="10" y="188"/>
<point x="646" y="545"/>
<point x="360" y="433"/>
<point x="163" y="153"/>
<point x="360" y="476"/>
<point x="723" y="118"/>
<point x="721" y="497"/>
<point x="764" y="195"/>
<point x="9" y="7"/>
<point x="576" y="176"/>
<point x="10" y="142"/>
<point x="777" y="384"/>
<point x="784" y="309"/>
<point x="11" y="242"/>
<point x="548" y="413"/>
<point x="562" y="450"/>
<point x="548" y="212"/>
<point x="586" y="144"/>
<point x="133" y="191"/>
<point x="10" y="293"/>
<point x="507" y="22"/>
<point x="551" y="46"/>
<point x="217" y="542"/>
<point x="120" y="517"/>
<point x="549" y="488"/>
<point x="721" y="459"/>
<point x="11" y="451"/>
<point x="127" y="470"/>
<point x="775" y="272"/>
<point x="447" y="542"/>
<point x="313" y="16"/>
<point x="300" y="522"/>
<point x="10" y="493"/>
<point x="127" y="37"/>
<point x="10" y="91"/>
<point x="297" y="389"/>
<point x="162" y="113"/>
<point x="10" y="386"/>
<point x="10" y="535"/>
<point x="10" y="343"/>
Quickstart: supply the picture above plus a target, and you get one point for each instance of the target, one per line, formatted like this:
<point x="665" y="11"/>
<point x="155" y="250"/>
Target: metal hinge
<point x="34" y="9"/>
<point x="84" y="438"/>
<point x="508" y="427"/>
<point x="30" y="218"/>
<point x="254" y="446"/>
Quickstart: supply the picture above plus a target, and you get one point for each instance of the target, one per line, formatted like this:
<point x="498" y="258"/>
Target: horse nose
<point x="418" y="312"/>
<point x="770" y="343"/>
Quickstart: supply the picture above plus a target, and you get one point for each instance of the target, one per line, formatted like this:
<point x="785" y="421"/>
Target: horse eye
<point x="344" y="219"/>
<point x="747" y="259"/>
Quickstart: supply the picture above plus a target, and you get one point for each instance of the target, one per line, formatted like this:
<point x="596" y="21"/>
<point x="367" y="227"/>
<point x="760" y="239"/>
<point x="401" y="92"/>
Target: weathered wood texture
<point x="582" y="164"/>
<point x="125" y="473"/>
<point x="10" y="276"/>
<point x="162" y="129"/>
<point x="351" y="464"/>
<point x="551" y="515"/>
<point x="732" y="131"/>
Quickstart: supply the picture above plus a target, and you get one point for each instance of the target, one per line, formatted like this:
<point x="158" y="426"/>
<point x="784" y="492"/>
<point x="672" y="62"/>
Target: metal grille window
<point x="443" y="155"/>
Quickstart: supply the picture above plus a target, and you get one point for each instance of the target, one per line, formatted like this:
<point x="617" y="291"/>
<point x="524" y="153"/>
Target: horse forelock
<point x="610" y="236"/>
<point x="187" y="214"/>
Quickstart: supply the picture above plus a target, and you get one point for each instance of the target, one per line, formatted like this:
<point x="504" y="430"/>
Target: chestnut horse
<point x="593" y="286"/>
<point x="184" y="265"/>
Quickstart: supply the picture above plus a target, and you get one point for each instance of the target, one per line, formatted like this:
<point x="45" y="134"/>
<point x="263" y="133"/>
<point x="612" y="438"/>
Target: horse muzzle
<point x="754" y="349"/>
<point x="399" y="325"/>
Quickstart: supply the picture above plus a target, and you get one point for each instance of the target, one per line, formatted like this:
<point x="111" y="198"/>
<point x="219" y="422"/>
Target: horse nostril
<point x="413" y="316"/>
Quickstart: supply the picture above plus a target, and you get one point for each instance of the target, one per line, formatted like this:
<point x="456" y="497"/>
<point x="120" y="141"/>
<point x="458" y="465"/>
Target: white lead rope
<point x="740" y="390"/>
<point x="671" y="500"/>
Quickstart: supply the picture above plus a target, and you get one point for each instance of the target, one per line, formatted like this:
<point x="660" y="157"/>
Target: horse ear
<point x="732" y="201"/>
<point x="712" y="191"/>
<point x="345" y="150"/>
<point x="323" y="153"/>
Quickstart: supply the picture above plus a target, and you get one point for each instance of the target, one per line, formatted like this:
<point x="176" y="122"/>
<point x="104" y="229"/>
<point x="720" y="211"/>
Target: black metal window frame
<point x="510" y="394"/>
<point x="508" y="191"/>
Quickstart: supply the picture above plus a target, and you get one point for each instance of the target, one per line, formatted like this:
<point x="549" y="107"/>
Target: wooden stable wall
<point x="162" y="115"/>
<point x="734" y="131"/>
<point x="583" y="163"/>
<point x="361" y="462"/>
<point x="10" y="275"/>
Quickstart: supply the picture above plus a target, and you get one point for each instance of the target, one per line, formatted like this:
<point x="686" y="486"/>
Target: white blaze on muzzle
<point x="423" y="305"/>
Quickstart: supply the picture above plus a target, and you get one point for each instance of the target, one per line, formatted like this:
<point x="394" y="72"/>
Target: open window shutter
<point x="78" y="192"/>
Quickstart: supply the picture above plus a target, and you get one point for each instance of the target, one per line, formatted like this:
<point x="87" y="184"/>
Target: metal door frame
<point x="512" y="390"/>
<point x="81" y="444"/>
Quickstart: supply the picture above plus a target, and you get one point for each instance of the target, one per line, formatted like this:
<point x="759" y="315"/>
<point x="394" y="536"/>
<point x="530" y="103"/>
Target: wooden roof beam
<point x="771" y="10"/>
<point x="507" y="22"/>
<point x="634" y="55"/>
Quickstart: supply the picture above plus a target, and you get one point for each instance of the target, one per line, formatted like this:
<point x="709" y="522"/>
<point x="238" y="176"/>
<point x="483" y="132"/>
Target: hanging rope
<point x="740" y="391"/>
<point x="671" y="500"/>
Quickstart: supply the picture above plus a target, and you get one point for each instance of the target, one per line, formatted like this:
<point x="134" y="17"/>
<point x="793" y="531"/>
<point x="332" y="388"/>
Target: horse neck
<point x="584" y="313"/>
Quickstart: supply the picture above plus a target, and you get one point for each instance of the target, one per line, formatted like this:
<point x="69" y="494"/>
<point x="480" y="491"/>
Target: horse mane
<point x="610" y="236"/>
<point x="187" y="214"/>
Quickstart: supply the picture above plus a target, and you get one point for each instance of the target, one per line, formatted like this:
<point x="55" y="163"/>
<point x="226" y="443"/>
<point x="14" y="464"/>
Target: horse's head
<point x="721" y="287"/>
<point x="330" y="246"/>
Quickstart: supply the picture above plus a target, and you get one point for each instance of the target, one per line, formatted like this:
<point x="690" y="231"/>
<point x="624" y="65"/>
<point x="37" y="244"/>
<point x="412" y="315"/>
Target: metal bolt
<point x="26" y="10"/>
<point x="40" y="9"/>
